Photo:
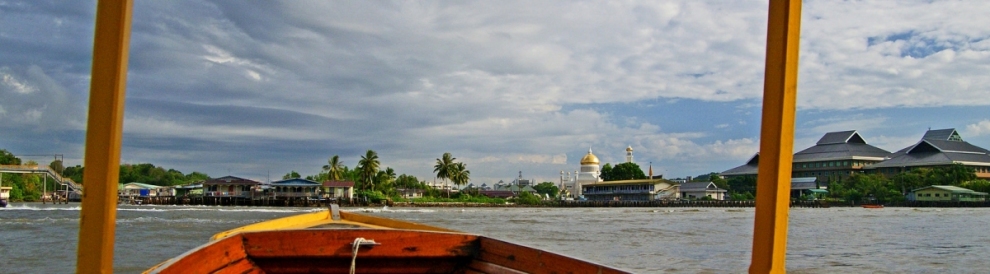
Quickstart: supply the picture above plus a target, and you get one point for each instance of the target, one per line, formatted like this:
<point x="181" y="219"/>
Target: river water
<point x="36" y="238"/>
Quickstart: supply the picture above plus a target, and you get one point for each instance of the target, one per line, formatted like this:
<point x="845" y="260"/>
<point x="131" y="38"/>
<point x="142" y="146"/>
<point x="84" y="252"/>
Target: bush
<point x="526" y="198"/>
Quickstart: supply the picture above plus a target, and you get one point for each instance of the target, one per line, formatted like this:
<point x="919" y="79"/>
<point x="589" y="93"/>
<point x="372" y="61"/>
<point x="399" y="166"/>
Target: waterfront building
<point x="698" y="190"/>
<point x="338" y="190"/>
<point x="804" y="186"/>
<point x="522" y="182"/>
<point x="295" y="188"/>
<point x="941" y="147"/>
<point x="947" y="194"/>
<point x="590" y="173"/>
<point x="229" y="186"/>
<point x="630" y="190"/>
<point x="836" y="156"/>
<point x="134" y="189"/>
<point x="748" y="169"/>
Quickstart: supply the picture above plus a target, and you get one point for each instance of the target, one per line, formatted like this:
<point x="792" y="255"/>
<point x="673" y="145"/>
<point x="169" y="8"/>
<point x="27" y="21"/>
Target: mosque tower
<point x="629" y="156"/>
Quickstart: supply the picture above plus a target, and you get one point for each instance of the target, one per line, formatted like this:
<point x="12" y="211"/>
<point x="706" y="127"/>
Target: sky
<point x="257" y="89"/>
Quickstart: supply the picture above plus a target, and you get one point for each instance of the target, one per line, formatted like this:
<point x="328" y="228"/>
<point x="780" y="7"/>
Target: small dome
<point x="589" y="159"/>
<point x="629" y="148"/>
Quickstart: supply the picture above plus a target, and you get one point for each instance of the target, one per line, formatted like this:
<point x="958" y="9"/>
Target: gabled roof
<point x="296" y="182"/>
<point x="841" y="137"/>
<point x="842" y="145"/>
<point x="953" y="189"/>
<point x="948" y="134"/>
<point x="804" y="183"/>
<point x="230" y="180"/>
<point x="938" y="148"/>
<point x="699" y="187"/>
<point x="338" y="184"/>
<point x="749" y="168"/>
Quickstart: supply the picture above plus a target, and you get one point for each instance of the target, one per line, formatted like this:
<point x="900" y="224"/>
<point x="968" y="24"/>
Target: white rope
<point x="354" y="251"/>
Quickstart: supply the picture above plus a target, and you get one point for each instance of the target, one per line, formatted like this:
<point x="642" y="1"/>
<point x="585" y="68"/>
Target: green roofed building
<point x="948" y="194"/>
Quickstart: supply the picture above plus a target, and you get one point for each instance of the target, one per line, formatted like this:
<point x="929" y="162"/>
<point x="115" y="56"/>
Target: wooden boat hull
<point x="872" y="206"/>
<point x="330" y="250"/>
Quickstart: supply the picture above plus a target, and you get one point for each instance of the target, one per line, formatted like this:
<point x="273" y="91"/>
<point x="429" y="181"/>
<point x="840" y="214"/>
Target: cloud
<point x="508" y="86"/>
<point x="980" y="128"/>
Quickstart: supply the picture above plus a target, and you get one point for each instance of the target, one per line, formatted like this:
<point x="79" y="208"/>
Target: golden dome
<point x="629" y="148"/>
<point x="589" y="159"/>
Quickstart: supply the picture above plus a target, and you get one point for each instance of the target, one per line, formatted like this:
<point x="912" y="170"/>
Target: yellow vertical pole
<point x="776" y="137"/>
<point x="103" y="136"/>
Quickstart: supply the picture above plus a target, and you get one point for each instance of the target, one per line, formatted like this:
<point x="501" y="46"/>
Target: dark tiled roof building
<point x="940" y="147"/>
<point x="837" y="155"/>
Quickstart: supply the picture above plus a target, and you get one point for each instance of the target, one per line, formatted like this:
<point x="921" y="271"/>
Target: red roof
<point x="338" y="184"/>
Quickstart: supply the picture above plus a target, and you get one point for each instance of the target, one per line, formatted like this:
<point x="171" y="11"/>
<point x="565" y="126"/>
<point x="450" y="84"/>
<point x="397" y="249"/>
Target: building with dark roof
<point x="748" y="169"/>
<point x="942" y="147"/>
<point x="837" y="155"/>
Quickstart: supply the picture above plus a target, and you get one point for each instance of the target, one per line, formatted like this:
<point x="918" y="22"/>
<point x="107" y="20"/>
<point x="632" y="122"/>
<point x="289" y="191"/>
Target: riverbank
<point x="297" y="202"/>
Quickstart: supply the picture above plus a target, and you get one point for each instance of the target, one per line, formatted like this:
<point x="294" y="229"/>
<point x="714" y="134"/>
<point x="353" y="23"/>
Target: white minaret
<point x="629" y="156"/>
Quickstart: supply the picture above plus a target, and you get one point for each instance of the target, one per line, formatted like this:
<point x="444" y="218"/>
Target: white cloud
<point x="978" y="129"/>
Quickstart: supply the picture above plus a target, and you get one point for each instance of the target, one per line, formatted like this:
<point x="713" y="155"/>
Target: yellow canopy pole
<point x="773" y="185"/>
<point x="103" y="136"/>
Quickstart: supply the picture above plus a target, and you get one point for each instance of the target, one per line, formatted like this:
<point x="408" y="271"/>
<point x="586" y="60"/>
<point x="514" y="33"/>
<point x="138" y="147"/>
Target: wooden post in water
<point x="776" y="137"/>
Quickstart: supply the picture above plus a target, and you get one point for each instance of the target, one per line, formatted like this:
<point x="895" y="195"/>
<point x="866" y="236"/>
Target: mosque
<point x="590" y="173"/>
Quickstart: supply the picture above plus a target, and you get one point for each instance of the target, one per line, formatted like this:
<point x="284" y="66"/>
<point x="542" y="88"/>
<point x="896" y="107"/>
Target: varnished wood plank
<point x="338" y="243"/>
<point x="241" y="266"/>
<point x="490" y="268"/>
<point x="532" y="260"/>
<point x="366" y="265"/>
<point x="390" y="223"/>
<point x="207" y="258"/>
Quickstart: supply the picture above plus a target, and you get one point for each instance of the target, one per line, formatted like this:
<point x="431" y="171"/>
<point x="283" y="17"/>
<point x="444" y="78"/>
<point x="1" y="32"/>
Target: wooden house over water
<point x="698" y="190"/>
<point x="296" y="188"/>
<point x="338" y="190"/>
<point x="229" y="190"/>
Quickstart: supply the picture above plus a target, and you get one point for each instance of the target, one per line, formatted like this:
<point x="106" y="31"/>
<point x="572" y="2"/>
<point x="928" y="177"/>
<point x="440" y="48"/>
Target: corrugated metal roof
<point x="933" y="152"/>
<point x="296" y="182"/>
<point x="230" y="180"/>
<point x="953" y="189"/>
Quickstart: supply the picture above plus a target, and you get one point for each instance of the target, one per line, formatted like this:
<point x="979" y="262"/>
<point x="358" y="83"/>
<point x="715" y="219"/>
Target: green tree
<point x="978" y="185"/>
<point x="606" y="172"/>
<point x="7" y="158"/>
<point x="334" y="168"/>
<point x="368" y="166"/>
<point x="547" y="188"/>
<point x="742" y="184"/>
<point x="444" y="167"/>
<point x="57" y="167"/>
<point x="459" y="174"/>
<point x="291" y="175"/>
<point x="627" y="171"/>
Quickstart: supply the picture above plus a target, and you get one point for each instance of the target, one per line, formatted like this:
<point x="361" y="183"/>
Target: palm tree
<point x="369" y="168"/>
<point x="335" y="168"/>
<point x="460" y="174"/>
<point x="444" y="166"/>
